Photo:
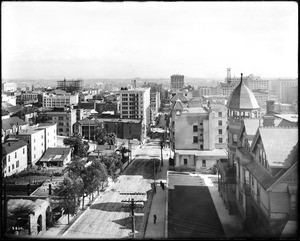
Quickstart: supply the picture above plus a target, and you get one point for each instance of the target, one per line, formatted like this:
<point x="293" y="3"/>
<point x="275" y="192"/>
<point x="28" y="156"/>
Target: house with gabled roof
<point x="266" y="180"/>
<point x="12" y="125"/>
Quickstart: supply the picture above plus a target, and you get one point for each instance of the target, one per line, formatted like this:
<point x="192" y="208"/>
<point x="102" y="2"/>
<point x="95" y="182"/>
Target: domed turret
<point x="242" y="98"/>
<point x="242" y="102"/>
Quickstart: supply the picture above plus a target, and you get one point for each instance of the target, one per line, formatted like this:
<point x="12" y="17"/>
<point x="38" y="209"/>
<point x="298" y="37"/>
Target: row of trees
<point x="84" y="178"/>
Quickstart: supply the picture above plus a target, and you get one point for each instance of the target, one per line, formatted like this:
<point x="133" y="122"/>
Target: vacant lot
<point x="192" y="213"/>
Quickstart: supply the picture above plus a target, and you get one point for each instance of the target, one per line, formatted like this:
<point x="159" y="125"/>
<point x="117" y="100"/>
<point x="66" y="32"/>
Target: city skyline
<point x="149" y="39"/>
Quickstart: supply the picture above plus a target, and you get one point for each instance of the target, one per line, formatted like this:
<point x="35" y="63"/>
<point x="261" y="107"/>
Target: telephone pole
<point x="132" y="206"/>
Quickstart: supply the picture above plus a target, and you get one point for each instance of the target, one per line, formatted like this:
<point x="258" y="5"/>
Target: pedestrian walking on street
<point x="154" y="218"/>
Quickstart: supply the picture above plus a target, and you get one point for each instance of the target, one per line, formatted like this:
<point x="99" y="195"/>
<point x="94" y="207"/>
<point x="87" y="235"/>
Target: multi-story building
<point x="51" y="100"/>
<point x="123" y="128"/>
<point x="194" y="139"/>
<point x="36" y="143"/>
<point x="135" y="104"/>
<point x="34" y="95"/>
<point x="177" y="82"/>
<point x="154" y="103"/>
<point x="220" y="124"/>
<point x="285" y="89"/>
<point x="70" y="85"/>
<point x="65" y="119"/>
<point x="14" y="157"/>
<point x="263" y="96"/>
<point x="50" y="135"/>
<point x="267" y="181"/>
<point x="204" y="90"/>
<point x="241" y="105"/>
<point x="114" y="106"/>
<point x="9" y="98"/>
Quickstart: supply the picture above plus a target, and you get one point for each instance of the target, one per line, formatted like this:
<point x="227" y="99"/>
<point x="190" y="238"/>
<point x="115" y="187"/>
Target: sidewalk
<point x="158" y="206"/>
<point x="231" y="224"/>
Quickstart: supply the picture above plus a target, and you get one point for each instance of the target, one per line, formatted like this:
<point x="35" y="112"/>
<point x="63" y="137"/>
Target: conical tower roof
<point x="242" y="98"/>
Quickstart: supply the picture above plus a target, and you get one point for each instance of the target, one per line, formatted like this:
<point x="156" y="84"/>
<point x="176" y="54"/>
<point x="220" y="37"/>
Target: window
<point x="220" y="123"/>
<point x="220" y="140"/>
<point x="17" y="164"/>
<point x="8" y="158"/>
<point x="13" y="167"/>
<point x="60" y="130"/>
<point x="42" y="144"/>
<point x="201" y="147"/>
<point x="220" y="132"/>
<point x="195" y="139"/>
<point x="220" y="114"/>
<point x="60" y="118"/>
<point x="16" y="155"/>
<point x="8" y="168"/>
<point x="195" y="128"/>
<point x="34" y="140"/>
<point x="23" y="150"/>
<point x="185" y="161"/>
<point x="34" y="156"/>
<point x="203" y="163"/>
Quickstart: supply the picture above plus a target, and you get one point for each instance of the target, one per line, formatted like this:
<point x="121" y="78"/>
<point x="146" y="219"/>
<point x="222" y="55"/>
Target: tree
<point x="112" y="163"/>
<point x="122" y="150"/>
<point x="100" y="134"/>
<point x="80" y="148"/>
<point x="68" y="190"/>
<point x="110" y="139"/>
<point x="101" y="175"/>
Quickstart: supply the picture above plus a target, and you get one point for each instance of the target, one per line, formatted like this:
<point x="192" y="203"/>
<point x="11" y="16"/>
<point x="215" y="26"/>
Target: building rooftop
<point x="179" y="96"/>
<point x="178" y="105"/>
<point x="86" y="121"/>
<point x="55" y="154"/>
<point x="251" y="126"/>
<point x="12" y="146"/>
<point x="212" y="154"/>
<point x="288" y="117"/>
<point x="242" y="98"/>
<point x="9" y="122"/>
<point x="278" y="143"/>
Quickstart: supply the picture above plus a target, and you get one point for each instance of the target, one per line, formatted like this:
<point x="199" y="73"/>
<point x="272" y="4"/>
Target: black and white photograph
<point x="149" y="120"/>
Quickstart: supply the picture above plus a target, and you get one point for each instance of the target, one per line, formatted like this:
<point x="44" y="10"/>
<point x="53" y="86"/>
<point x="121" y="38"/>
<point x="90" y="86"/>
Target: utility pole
<point x="132" y="206"/>
<point x="154" y="187"/>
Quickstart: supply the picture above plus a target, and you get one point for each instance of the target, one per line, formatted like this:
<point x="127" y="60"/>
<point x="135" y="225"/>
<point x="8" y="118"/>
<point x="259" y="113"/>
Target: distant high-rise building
<point x="70" y="85"/>
<point x="135" y="104"/>
<point x="177" y="82"/>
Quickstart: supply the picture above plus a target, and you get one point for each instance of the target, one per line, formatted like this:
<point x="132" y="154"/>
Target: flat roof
<point x="216" y="153"/>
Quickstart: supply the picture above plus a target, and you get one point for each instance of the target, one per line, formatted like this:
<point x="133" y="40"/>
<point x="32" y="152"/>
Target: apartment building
<point x="12" y="125"/>
<point x="64" y="118"/>
<point x="194" y="139"/>
<point x="51" y="100"/>
<point x="177" y="82"/>
<point x="14" y="157"/>
<point x="135" y="104"/>
<point x="50" y="136"/>
<point x="36" y="143"/>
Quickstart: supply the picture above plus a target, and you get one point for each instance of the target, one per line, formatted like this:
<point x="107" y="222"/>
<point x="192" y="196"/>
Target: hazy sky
<point x="148" y="39"/>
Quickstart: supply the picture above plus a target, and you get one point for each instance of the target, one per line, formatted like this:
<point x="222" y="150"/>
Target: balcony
<point x="228" y="173"/>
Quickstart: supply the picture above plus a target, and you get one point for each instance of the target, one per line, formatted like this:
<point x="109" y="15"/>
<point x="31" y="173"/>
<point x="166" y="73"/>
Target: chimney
<point x="270" y="106"/>
<point x="268" y="120"/>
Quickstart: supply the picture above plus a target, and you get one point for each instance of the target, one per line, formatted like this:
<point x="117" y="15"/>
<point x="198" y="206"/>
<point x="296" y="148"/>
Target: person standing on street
<point x="154" y="218"/>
